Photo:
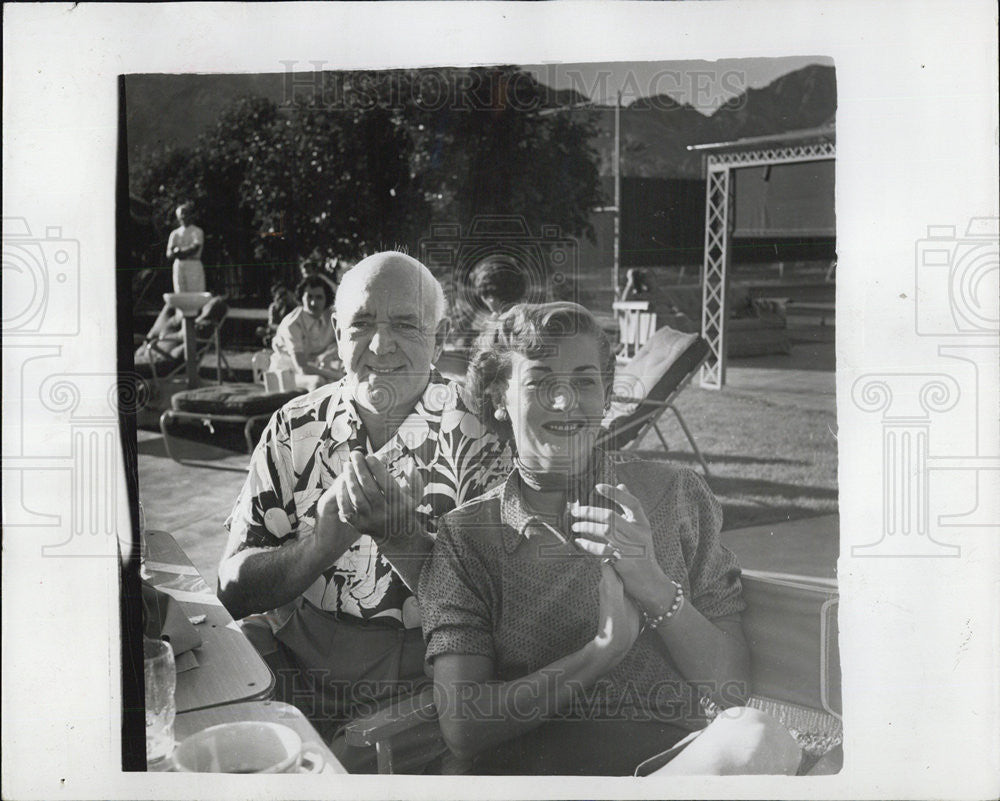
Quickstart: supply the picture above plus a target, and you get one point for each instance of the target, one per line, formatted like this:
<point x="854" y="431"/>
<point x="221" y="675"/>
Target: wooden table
<point x="229" y="668"/>
<point x="189" y="723"/>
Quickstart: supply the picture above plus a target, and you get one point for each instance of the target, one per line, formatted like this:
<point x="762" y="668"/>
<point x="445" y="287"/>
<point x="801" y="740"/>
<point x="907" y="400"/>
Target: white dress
<point x="189" y="274"/>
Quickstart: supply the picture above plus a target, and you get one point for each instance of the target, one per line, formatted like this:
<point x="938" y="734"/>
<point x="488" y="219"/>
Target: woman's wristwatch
<point x="651" y="622"/>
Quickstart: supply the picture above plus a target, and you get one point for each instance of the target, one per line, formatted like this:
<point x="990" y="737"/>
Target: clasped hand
<point x="369" y="501"/>
<point x="619" y="622"/>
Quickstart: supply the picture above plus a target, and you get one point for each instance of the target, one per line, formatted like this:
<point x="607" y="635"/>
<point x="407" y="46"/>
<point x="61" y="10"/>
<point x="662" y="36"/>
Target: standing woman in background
<point x="184" y="247"/>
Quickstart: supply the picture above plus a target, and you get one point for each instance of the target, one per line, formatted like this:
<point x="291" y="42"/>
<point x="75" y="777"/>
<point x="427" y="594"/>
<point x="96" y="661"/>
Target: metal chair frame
<point x="203" y="345"/>
<point x="648" y="412"/>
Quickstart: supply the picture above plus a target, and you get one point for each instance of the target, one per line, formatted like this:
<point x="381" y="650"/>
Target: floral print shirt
<point x="305" y="447"/>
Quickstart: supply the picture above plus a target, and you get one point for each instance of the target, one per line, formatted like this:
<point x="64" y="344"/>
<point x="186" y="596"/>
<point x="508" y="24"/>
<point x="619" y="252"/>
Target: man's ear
<point x="336" y="331"/>
<point x="440" y="337"/>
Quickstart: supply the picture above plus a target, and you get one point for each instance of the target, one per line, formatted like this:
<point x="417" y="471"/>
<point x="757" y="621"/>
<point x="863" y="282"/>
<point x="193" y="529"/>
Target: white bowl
<point x="188" y="303"/>
<point x="240" y="747"/>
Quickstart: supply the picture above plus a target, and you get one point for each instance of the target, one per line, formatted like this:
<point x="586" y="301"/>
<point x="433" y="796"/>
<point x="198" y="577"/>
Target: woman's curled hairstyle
<point x="528" y="329"/>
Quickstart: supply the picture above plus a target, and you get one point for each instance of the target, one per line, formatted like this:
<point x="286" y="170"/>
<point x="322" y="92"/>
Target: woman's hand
<point x="619" y="622"/>
<point x="627" y="539"/>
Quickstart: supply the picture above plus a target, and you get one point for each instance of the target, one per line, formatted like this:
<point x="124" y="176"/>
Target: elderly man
<point x="330" y="530"/>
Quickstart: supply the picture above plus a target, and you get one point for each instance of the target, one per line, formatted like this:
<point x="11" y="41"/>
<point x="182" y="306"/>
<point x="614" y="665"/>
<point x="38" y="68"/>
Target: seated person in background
<point x="331" y="529"/>
<point x="283" y="302"/>
<point x="638" y="286"/>
<point x="305" y="342"/>
<point x="583" y="616"/>
<point x="495" y="284"/>
<point x="336" y="267"/>
<point x="499" y="282"/>
<point x="165" y="339"/>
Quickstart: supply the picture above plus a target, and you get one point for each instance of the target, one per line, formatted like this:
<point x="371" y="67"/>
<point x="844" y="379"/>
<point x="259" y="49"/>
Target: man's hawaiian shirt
<point x="305" y="447"/>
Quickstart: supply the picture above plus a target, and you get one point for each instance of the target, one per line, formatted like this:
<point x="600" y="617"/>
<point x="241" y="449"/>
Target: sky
<point x="703" y="84"/>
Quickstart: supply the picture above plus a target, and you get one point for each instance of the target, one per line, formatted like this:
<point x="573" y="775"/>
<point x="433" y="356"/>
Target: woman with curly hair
<point x="584" y="617"/>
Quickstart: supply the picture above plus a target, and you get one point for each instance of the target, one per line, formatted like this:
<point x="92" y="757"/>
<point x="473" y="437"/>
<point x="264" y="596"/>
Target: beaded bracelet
<point x="653" y="622"/>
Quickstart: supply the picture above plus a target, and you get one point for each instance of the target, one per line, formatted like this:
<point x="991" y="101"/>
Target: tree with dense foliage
<point x="370" y="159"/>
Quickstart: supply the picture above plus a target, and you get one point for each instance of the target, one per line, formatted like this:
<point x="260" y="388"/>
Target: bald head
<point x="391" y="267"/>
<point x="390" y="325"/>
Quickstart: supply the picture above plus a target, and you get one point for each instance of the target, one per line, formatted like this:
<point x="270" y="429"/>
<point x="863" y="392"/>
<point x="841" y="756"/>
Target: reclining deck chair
<point x="791" y="629"/>
<point x="161" y="354"/>
<point x="249" y="405"/>
<point x="646" y="386"/>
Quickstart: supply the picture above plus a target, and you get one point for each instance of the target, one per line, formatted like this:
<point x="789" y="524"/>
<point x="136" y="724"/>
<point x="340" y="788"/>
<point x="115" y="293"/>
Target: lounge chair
<point x="647" y="385"/>
<point x="161" y="354"/>
<point x="249" y="405"/>
<point x="636" y="324"/>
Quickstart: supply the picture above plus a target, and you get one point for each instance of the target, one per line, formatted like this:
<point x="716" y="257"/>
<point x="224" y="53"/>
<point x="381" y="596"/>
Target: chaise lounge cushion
<point x="245" y="400"/>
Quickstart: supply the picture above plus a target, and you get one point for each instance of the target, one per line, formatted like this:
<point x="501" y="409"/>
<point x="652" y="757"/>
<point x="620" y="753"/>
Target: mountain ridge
<point x="174" y="109"/>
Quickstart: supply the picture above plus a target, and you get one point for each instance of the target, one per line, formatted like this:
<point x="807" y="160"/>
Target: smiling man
<point x="338" y="511"/>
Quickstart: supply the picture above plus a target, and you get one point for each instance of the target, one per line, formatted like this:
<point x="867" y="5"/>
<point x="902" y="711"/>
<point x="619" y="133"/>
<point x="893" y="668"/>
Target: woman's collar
<point x="515" y="515"/>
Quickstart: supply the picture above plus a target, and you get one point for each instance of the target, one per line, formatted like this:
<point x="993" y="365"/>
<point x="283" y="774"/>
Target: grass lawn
<point x="771" y="459"/>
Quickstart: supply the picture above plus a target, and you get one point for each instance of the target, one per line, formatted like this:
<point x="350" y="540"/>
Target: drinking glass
<point x="161" y="680"/>
<point x="144" y="572"/>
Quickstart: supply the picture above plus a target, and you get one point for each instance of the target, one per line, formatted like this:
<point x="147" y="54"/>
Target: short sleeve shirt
<point x="305" y="447"/>
<point x="302" y="332"/>
<point x="500" y="584"/>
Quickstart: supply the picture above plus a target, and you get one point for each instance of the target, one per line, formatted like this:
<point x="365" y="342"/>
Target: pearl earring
<point x="500" y="414"/>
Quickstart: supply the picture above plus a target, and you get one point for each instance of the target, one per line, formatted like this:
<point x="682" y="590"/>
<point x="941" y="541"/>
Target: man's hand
<point x="375" y="503"/>
<point x="332" y="535"/>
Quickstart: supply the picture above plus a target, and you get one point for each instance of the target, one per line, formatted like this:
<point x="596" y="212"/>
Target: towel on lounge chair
<point x="645" y="386"/>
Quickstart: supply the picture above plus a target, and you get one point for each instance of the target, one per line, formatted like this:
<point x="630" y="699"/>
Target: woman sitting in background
<point x="305" y="342"/>
<point x="584" y="617"/>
